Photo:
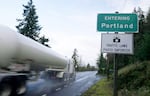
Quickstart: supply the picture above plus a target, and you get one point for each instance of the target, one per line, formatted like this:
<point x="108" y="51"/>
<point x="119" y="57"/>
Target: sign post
<point x="115" y="91"/>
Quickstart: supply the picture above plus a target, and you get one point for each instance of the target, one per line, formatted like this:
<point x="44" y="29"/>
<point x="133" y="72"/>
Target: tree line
<point x="77" y="63"/>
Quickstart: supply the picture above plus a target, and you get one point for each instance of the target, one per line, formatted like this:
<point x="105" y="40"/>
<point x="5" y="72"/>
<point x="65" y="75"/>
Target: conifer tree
<point x="29" y="26"/>
<point x="75" y="59"/>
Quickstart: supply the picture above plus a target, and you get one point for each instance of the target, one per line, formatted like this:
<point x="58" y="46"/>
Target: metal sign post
<point x="115" y="91"/>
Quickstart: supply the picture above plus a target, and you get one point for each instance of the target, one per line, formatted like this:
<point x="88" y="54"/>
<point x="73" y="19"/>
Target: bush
<point x="140" y="92"/>
<point x="135" y="79"/>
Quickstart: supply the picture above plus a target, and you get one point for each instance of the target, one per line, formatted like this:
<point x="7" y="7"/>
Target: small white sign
<point x="117" y="43"/>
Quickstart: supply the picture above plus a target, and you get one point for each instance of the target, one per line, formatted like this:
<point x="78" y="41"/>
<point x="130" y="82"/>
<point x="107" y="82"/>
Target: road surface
<point x="53" y="87"/>
<point x="83" y="81"/>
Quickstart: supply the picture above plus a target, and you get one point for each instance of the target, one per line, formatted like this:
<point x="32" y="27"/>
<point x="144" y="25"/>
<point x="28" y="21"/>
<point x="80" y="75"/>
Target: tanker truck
<point x="20" y="56"/>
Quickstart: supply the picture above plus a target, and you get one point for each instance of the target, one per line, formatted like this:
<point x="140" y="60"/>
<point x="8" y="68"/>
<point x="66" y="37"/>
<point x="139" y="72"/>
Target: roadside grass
<point x="101" y="88"/>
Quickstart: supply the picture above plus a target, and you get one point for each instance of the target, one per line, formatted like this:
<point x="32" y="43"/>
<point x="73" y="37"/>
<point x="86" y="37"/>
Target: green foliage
<point x="135" y="76"/>
<point x="84" y="68"/>
<point x="122" y="60"/>
<point x="141" y="39"/>
<point x="43" y="40"/>
<point x="88" y="66"/>
<point x="140" y="92"/>
<point x="101" y="88"/>
<point x="147" y="24"/>
<point x="144" y="48"/>
<point x="101" y="63"/>
<point x="144" y="52"/>
<point x="28" y="26"/>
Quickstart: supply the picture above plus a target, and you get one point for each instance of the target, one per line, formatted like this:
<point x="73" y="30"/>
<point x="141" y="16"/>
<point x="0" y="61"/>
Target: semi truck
<point x="21" y="56"/>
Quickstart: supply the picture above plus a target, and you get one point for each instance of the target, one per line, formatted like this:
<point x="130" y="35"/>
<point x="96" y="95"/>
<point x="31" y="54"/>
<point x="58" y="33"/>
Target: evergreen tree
<point x="29" y="26"/>
<point x="144" y="50"/>
<point x="139" y="36"/>
<point x="43" y="40"/>
<point x="109" y="63"/>
<point x="101" y="63"/>
<point x="147" y="24"/>
<point x="75" y="59"/>
<point x="88" y="66"/>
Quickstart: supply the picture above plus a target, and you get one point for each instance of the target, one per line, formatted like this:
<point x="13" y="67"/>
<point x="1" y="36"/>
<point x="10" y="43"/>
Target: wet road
<point x="54" y="87"/>
<point x="83" y="81"/>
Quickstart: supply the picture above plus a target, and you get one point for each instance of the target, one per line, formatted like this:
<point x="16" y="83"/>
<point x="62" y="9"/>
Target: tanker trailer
<point x="19" y="55"/>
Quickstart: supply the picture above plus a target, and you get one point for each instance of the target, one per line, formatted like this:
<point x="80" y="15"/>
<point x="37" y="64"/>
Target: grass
<point x="101" y="88"/>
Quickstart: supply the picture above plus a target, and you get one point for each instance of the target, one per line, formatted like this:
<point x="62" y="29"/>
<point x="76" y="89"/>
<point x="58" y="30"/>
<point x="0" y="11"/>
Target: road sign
<point x="117" y="23"/>
<point x="117" y="43"/>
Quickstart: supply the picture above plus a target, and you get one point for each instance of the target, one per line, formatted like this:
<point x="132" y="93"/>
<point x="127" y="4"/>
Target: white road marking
<point x="81" y="79"/>
<point x="58" y="89"/>
<point x="44" y="95"/>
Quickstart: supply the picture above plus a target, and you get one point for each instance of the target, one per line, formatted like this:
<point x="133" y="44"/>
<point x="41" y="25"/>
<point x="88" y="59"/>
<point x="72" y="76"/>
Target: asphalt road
<point x="83" y="81"/>
<point x="54" y="87"/>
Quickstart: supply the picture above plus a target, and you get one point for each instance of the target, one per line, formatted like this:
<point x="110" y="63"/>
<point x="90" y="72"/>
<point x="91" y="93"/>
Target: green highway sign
<point x="117" y="23"/>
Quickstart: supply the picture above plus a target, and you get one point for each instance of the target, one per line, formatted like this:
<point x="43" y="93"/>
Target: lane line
<point x="81" y="79"/>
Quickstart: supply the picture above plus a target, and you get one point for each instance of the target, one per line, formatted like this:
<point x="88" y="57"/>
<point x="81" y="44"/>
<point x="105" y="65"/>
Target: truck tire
<point x="5" y="90"/>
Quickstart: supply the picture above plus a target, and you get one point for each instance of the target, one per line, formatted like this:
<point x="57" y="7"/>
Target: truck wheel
<point x="5" y="90"/>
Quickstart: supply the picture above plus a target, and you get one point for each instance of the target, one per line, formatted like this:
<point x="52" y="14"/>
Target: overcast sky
<point x="70" y="24"/>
